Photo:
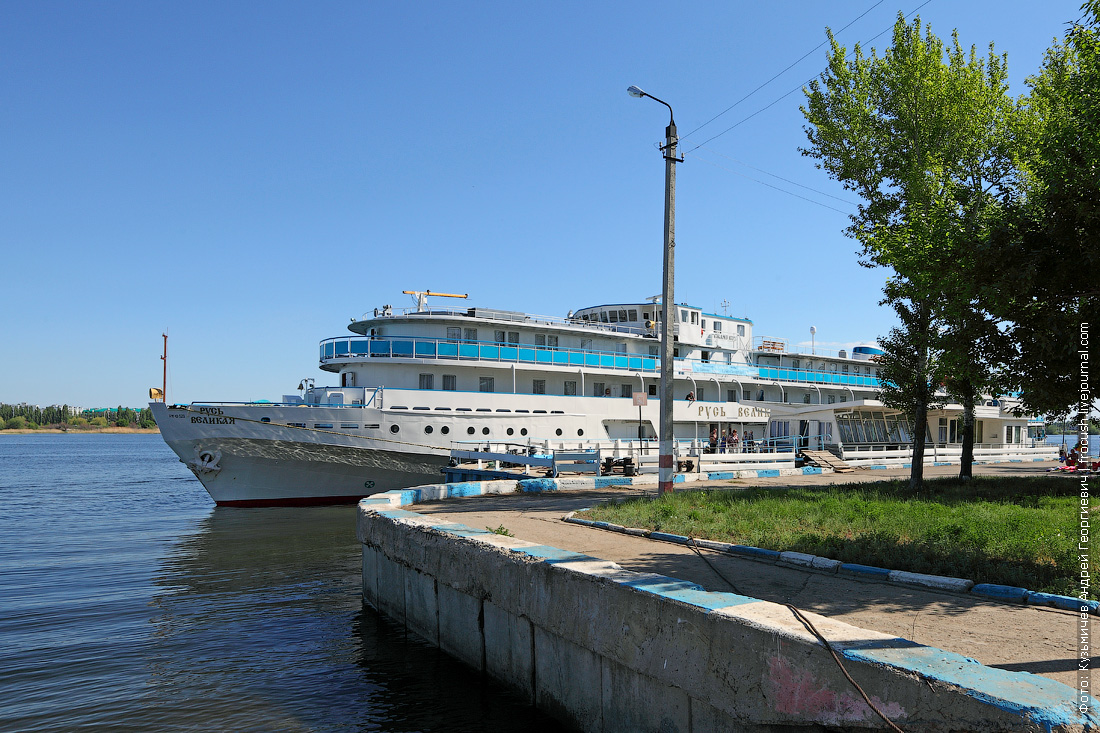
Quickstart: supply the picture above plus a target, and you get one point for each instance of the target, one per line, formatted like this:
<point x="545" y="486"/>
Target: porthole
<point x="511" y="431"/>
<point x="557" y="432"/>
<point x="395" y="428"/>
<point x="428" y="429"/>
<point x="580" y="431"/>
<point x="265" y="419"/>
<point x="485" y="431"/>
<point x="469" y="431"/>
<point x="523" y="431"/>
<point x="444" y="430"/>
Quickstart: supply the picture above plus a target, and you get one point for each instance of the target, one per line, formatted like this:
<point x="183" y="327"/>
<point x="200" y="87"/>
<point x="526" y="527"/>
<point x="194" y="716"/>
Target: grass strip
<point x="1019" y="531"/>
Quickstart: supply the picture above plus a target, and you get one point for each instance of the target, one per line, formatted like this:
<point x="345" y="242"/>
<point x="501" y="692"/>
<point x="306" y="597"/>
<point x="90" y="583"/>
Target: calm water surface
<point x="128" y="602"/>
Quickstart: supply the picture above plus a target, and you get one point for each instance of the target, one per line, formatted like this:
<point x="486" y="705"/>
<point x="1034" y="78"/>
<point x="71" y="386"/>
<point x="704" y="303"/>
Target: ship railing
<point x="498" y="316"/>
<point x="346" y="347"/>
<point x="898" y="454"/>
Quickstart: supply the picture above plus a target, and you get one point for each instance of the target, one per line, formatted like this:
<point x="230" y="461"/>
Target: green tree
<point x="1042" y="259"/>
<point x="920" y="135"/>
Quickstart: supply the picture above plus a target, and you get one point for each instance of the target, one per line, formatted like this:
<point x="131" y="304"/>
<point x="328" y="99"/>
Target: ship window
<point x="295" y="424"/>
<point x="444" y="408"/>
<point x="444" y="430"/>
<point x="371" y="426"/>
<point x="540" y="412"/>
<point x="485" y="384"/>
<point x="522" y="410"/>
<point x="513" y="337"/>
<point x="740" y="330"/>
<point x="469" y="431"/>
<point x="523" y="431"/>
<point x="557" y="412"/>
<point x="485" y="431"/>
<point x="570" y="388"/>
<point x="449" y="382"/>
<point x="454" y="333"/>
<point x="469" y="334"/>
<point x="557" y="432"/>
<point x="428" y="429"/>
<point x="795" y="363"/>
<point x="552" y="342"/>
<point x="699" y="394"/>
<point x="349" y="426"/>
<point x="580" y="431"/>
<point x="603" y="316"/>
<point x="395" y="428"/>
<point x="718" y="326"/>
<point x="626" y="390"/>
<point x="484" y="409"/>
<point x="323" y="425"/>
<point x="597" y="389"/>
<point x="633" y="314"/>
<point x="653" y="390"/>
<point x="503" y="409"/>
<point x="622" y="316"/>
<point x="731" y="395"/>
<point x="498" y="336"/>
<point x="614" y="316"/>
<point x="265" y="419"/>
<point x="422" y="408"/>
<point x="538" y="386"/>
<point x="586" y="344"/>
<point x="832" y="399"/>
<point x="510" y="430"/>
<point x="654" y="350"/>
<point x="427" y="381"/>
<point x="540" y="339"/>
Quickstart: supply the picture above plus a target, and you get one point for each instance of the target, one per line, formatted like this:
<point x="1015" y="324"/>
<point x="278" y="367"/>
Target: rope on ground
<point x="812" y="629"/>
<point x="187" y="408"/>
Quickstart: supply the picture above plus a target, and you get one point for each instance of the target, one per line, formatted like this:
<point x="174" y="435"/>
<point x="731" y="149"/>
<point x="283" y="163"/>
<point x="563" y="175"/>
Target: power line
<point x="777" y="188"/>
<point x="776" y="101"/>
<point x="781" y="73"/>
<point x="773" y="175"/>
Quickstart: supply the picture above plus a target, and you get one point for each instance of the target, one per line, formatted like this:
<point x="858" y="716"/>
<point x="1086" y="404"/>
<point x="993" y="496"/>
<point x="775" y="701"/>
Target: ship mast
<point x="164" y="382"/>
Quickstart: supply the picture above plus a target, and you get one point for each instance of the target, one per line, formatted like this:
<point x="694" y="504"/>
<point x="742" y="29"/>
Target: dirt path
<point x="1009" y="636"/>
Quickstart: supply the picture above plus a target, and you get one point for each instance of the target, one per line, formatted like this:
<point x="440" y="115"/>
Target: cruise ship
<point x="416" y="384"/>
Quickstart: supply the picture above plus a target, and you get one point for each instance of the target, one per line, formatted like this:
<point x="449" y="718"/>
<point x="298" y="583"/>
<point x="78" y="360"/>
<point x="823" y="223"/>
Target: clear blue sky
<point x="249" y="176"/>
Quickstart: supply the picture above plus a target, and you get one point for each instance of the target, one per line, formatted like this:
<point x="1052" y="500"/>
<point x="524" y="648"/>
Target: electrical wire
<point x="777" y="188"/>
<point x="774" y="175"/>
<point x="781" y="73"/>
<point x="779" y="99"/>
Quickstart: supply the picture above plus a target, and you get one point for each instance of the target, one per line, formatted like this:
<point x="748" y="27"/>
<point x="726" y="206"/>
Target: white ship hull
<point x="242" y="462"/>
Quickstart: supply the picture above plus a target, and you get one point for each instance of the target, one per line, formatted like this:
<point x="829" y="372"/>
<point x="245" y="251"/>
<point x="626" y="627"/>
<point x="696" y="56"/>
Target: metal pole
<point x="666" y="464"/>
<point x="164" y="383"/>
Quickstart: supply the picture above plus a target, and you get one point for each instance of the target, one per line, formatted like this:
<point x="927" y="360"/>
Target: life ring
<point x="607" y="392"/>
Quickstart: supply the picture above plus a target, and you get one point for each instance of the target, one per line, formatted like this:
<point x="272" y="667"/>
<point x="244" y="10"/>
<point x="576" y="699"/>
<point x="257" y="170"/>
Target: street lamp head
<point x="634" y="91"/>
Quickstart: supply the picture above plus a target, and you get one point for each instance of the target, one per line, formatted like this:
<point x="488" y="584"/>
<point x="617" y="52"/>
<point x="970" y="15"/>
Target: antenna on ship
<point x="422" y="297"/>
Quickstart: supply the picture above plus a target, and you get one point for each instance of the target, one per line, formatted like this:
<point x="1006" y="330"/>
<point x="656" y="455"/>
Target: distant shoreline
<point x="81" y="431"/>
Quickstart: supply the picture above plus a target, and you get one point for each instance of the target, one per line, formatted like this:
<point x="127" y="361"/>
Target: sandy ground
<point x="1009" y="636"/>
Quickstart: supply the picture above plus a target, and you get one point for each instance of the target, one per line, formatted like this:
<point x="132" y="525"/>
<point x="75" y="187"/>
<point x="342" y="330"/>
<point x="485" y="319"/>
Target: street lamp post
<point x="666" y="450"/>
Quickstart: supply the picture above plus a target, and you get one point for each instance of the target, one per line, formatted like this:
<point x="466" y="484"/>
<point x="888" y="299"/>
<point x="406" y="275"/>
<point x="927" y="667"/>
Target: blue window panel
<point x="635" y="362"/>
<point x="620" y="362"/>
<point x="359" y="347"/>
<point x="576" y="358"/>
<point x="591" y="359"/>
<point x="402" y="348"/>
<point x="322" y="351"/>
<point x="508" y="353"/>
<point x="526" y="354"/>
<point x="341" y="348"/>
<point x="560" y="357"/>
<point x="489" y="351"/>
<point x="328" y="349"/>
<point x="425" y="348"/>
<point x="448" y="349"/>
<point x="543" y="356"/>
<point x="380" y="348"/>
<point x="782" y="374"/>
<point x="607" y="360"/>
<point x="468" y="351"/>
<point x="649" y="364"/>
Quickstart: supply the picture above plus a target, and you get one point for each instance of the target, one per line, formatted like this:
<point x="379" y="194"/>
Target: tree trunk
<point x="920" y="428"/>
<point x="966" y="464"/>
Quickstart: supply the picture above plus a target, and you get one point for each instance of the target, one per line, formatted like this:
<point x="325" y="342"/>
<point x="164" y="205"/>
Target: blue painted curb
<point x="868" y="572"/>
<point x="1001" y="592"/>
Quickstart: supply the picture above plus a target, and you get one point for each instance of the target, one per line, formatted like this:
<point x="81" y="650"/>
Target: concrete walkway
<point x="1009" y="636"/>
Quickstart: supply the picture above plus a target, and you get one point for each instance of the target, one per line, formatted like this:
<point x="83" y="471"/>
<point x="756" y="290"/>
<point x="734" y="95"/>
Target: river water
<point x="128" y="602"/>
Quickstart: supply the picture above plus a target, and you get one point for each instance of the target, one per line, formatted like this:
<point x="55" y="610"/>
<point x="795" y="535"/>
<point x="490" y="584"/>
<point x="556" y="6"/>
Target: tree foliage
<point x="922" y="134"/>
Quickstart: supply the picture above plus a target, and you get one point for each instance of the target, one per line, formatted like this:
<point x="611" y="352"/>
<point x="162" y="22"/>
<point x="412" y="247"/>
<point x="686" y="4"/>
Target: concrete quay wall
<point x="607" y="649"/>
